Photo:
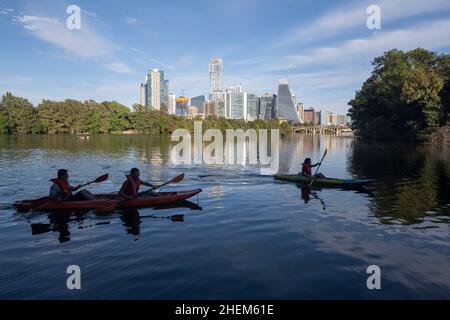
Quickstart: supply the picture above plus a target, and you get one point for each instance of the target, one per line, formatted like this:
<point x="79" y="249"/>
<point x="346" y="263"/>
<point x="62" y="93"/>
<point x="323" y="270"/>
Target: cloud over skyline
<point x="324" y="48"/>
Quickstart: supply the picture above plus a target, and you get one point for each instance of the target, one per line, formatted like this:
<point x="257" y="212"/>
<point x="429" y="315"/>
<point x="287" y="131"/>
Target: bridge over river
<point x="336" y="130"/>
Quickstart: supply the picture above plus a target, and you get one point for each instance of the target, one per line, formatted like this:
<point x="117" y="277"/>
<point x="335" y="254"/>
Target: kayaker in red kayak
<point x="307" y="172"/>
<point x="61" y="189"/>
<point x="130" y="187"/>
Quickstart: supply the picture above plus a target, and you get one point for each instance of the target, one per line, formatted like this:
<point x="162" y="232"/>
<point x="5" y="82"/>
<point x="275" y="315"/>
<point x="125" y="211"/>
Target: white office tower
<point x="172" y="104"/>
<point x="216" y="89"/>
<point x="236" y="102"/>
<point x="154" y="86"/>
<point x="155" y="91"/>
<point x="142" y="95"/>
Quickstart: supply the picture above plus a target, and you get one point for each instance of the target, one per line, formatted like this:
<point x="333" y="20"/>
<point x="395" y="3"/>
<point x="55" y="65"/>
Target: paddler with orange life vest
<point x="307" y="172"/>
<point x="130" y="188"/>
<point x="61" y="189"/>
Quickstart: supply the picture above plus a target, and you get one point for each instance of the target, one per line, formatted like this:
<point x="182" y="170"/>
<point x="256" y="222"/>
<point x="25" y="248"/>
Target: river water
<point x="246" y="236"/>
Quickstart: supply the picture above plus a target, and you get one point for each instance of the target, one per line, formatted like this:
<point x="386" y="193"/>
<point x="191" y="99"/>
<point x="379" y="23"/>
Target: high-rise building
<point x="172" y="103"/>
<point x="236" y="103"/>
<point x="300" y="111"/>
<point x="182" y="105"/>
<point x="252" y="107"/>
<point x="155" y="91"/>
<point x="331" y="119"/>
<point x="342" y="120"/>
<point x="267" y="105"/>
<point x="309" y="116"/>
<point x="216" y="87"/>
<point x="164" y="95"/>
<point x="285" y="108"/>
<point x="198" y="102"/>
<point x="142" y="95"/>
<point x="211" y="108"/>
<point x="221" y="112"/>
<point x="318" y="119"/>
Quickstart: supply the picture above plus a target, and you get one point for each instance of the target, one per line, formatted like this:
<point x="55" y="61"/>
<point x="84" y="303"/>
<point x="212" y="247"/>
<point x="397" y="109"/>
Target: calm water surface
<point x="245" y="236"/>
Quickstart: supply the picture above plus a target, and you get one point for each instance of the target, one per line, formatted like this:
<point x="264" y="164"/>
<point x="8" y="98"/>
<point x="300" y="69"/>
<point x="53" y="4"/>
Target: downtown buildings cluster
<point x="232" y="102"/>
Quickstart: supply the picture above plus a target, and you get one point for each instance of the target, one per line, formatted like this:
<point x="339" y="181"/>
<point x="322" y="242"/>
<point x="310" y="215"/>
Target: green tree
<point x="17" y="115"/>
<point x="402" y="99"/>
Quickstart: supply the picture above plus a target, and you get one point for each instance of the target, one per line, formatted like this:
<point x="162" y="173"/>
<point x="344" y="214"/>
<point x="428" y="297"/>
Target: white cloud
<point x="430" y="35"/>
<point x="354" y="16"/>
<point x="119" y="67"/>
<point x="82" y="43"/>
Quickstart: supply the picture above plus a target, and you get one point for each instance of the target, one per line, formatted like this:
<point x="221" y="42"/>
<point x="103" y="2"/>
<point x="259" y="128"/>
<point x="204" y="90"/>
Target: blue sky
<point x="324" y="47"/>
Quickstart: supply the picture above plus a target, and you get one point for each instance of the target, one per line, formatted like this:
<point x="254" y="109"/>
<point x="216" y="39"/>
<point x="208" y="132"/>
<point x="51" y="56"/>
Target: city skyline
<point x="237" y="103"/>
<point x="325" y="57"/>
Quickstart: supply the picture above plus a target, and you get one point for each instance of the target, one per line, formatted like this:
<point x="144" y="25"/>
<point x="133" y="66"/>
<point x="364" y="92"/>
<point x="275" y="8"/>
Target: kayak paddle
<point x="320" y="163"/>
<point x="174" y="180"/>
<point x="98" y="180"/>
<point x="40" y="202"/>
<point x="114" y="205"/>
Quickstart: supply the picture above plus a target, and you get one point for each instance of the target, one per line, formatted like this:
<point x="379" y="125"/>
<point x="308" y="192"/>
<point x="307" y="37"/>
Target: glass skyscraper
<point x="267" y="105"/>
<point x="156" y="90"/>
<point x="285" y="108"/>
<point x="216" y="88"/>
<point x="199" y="103"/>
<point x="252" y="106"/>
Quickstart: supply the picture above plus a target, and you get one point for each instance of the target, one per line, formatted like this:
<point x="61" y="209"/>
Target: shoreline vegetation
<point x="19" y="116"/>
<point x="406" y="98"/>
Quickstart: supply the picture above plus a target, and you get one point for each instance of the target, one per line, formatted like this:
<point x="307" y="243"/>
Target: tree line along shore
<point x="19" y="116"/>
<point x="407" y="97"/>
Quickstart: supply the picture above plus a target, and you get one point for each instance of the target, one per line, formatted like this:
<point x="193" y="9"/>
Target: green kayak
<point x="327" y="182"/>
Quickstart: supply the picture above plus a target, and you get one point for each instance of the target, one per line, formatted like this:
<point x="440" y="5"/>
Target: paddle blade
<point x="178" y="178"/>
<point x="177" y="218"/>
<point x="102" y="178"/>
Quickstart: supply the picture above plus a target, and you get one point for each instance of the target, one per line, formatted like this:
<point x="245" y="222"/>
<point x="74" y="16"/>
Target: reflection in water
<point x="412" y="181"/>
<point x="307" y="192"/>
<point x="250" y="224"/>
<point x="61" y="221"/>
<point x="216" y="192"/>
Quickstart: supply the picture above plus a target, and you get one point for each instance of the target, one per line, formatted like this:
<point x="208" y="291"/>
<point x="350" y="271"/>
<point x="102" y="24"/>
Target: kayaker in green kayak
<point x="307" y="172"/>
<point x="130" y="187"/>
<point x="61" y="189"/>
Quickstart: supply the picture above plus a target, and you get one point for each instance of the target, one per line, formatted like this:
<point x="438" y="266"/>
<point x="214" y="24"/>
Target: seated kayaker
<point x="130" y="187"/>
<point x="307" y="172"/>
<point x="61" y="189"/>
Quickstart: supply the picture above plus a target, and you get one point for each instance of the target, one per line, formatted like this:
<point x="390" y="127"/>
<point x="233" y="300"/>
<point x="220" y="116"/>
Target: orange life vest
<point x="306" y="170"/>
<point x="131" y="186"/>
<point x="63" y="185"/>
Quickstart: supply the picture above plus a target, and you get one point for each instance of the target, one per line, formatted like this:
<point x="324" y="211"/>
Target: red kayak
<point x="108" y="200"/>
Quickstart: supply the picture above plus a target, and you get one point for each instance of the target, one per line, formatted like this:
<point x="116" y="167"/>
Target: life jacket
<point x="64" y="186"/>
<point x="306" y="170"/>
<point x="131" y="186"/>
